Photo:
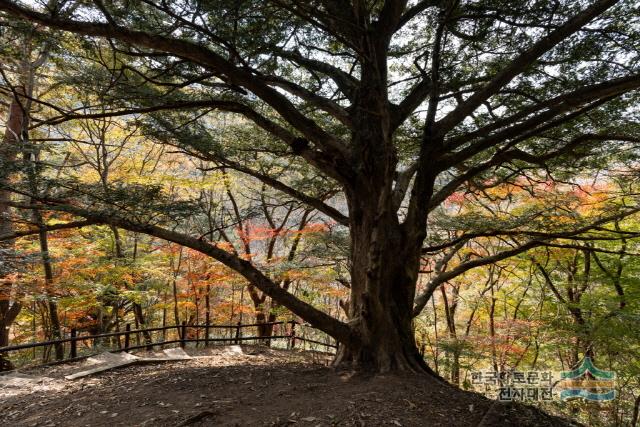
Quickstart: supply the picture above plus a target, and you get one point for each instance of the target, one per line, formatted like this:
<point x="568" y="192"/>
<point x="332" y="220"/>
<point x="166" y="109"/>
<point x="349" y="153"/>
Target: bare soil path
<point x="259" y="387"/>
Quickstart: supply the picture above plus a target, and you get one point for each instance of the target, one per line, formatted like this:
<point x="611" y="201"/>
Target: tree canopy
<point x="377" y="116"/>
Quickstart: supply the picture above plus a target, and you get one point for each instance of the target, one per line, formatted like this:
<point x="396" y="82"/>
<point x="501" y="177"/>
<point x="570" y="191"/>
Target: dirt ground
<point x="262" y="387"/>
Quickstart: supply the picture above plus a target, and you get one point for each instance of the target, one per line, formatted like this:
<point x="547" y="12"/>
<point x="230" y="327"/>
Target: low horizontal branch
<point x="317" y="318"/>
<point x="52" y="227"/>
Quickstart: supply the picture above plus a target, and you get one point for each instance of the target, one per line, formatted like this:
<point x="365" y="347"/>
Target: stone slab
<point x="176" y="354"/>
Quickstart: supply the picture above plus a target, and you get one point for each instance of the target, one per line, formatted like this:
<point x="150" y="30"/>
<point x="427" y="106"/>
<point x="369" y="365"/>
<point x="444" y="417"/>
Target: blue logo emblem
<point x="587" y="382"/>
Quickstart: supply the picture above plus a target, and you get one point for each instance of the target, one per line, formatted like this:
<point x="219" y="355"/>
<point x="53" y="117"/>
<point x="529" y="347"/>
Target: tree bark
<point x="384" y="259"/>
<point x="636" y="412"/>
<point x="139" y="316"/>
<point x="454" y="349"/>
<point x="52" y="306"/>
<point x="384" y="272"/>
<point x="9" y="306"/>
<point x="5" y="322"/>
<point x="175" y="269"/>
<point x="207" y="314"/>
<point x="261" y="312"/>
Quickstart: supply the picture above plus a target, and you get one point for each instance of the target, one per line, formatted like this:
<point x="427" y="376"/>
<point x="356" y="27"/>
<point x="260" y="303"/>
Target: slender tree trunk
<point x="9" y="306"/>
<point x="117" y="242"/>
<point x="46" y="328"/>
<point x="116" y="339"/>
<point x="7" y="320"/>
<point x="176" y="313"/>
<point x="207" y="314"/>
<point x="56" y="332"/>
<point x="140" y="321"/>
<point x="636" y="412"/>
<point x="164" y="316"/>
<point x="259" y="307"/>
<point x="135" y="319"/>
<point x="269" y="328"/>
<point x="31" y="156"/>
<point x="231" y="310"/>
<point x="33" y="327"/>
<point x="9" y="312"/>
<point x="100" y="326"/>
<point x="136" y="307"/>
<point x="196" y="302"/>
<point x="175" y="267"/>
<point x="241" y="304"/>
<point x="436" y="352"/>
<point x="492" y="331"/>
<point x="450" y="313"/>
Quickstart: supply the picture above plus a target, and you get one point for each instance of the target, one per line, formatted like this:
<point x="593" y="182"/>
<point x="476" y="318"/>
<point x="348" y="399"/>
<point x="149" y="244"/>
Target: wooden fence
<point x="183" y="334"/>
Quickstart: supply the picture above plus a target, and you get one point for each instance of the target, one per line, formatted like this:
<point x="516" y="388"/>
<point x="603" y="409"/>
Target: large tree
<point x="397" y="104"/>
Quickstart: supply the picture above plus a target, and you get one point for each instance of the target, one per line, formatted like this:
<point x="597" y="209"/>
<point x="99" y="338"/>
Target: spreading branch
<point x="315" y="317"/>
<point x="521" y="63"/>
<point x="207" y="58"/>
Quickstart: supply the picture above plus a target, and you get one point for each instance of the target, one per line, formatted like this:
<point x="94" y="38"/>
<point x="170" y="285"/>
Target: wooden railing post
<point x="5" y="363"/>
<point x="127" y="334"/>
<point x="238" y="333"/>
<point x="149" y="344"/>
<point x="74" y="345"/>
<point x="206" y="333"/>
<point x="184" y="334"/>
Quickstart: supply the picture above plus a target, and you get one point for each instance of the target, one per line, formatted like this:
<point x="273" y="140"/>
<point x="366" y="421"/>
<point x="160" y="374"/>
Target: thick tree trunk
<point x="385" y="255"/>
<point x="384" y="273"/>
<point x="383" y="337"/>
